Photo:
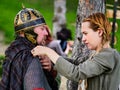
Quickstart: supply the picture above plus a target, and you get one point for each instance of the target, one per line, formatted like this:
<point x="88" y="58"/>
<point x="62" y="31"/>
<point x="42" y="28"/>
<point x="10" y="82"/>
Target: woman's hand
<point x="42" y="50"/>
<point x="39" y="50"/>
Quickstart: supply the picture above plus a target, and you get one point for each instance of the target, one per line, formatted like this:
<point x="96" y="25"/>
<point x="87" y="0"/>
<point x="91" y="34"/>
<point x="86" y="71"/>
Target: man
<point x="22" y="71"/>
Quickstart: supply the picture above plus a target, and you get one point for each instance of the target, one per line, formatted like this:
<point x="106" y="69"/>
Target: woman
<point x="55" y="44"/>
<point x="102" y="69"/>
<point x="63" y="36"/>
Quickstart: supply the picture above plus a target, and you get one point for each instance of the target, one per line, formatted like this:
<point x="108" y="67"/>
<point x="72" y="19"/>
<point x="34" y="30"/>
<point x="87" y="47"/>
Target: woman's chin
<point x="90" y="48"/>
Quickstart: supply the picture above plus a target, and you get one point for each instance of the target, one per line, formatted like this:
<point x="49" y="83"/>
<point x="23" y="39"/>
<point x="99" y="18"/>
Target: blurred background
<point x="9" y="9"/>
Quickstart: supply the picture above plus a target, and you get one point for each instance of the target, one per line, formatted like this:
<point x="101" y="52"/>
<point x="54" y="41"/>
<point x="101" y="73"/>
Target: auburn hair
<point x="100" y="21"/>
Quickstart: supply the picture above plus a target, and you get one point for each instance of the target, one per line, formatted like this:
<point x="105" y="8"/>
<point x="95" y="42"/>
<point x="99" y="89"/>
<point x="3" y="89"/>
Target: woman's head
<point x="100" y="24"/>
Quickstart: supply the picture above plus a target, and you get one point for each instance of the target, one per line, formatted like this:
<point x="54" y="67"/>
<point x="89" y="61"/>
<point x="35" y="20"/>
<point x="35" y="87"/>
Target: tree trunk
<point x="80" y="52"/>
<point x="59" y="20"/>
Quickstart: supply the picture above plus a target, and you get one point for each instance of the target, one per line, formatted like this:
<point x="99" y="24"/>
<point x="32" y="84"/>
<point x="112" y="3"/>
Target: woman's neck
<point x="106" y="45"/>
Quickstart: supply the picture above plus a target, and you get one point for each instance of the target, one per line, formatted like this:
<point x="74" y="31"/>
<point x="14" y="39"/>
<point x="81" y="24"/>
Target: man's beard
<point x="43" y="42"/>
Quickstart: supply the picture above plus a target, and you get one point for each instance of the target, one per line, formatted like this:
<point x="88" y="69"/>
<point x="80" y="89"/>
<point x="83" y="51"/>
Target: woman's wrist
<point x="53" y="56"/>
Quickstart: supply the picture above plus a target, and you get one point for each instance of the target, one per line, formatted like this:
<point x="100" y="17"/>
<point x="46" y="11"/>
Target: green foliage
<point x="111" y="3"/>
<point x="117" y="34"/>
<point x="9" y="9"/>
<point x="1" y="62"/>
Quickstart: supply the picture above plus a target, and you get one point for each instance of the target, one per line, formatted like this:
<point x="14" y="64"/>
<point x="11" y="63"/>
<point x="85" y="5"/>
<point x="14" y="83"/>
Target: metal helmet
<point x="27" y="18"/>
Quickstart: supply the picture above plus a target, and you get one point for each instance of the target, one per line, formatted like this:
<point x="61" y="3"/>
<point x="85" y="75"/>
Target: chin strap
<point x="31" y="36"/>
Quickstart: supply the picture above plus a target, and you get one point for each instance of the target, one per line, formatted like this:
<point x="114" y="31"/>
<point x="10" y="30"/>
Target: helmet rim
<point x="30" y="24"/>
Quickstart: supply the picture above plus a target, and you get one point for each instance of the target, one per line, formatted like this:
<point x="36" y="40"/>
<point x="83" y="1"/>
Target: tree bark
<point x="80" y="52"/>
<point x="59" y="20"/>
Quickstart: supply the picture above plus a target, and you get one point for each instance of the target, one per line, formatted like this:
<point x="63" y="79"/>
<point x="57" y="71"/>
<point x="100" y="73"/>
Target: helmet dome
<point x="27" y="18"/>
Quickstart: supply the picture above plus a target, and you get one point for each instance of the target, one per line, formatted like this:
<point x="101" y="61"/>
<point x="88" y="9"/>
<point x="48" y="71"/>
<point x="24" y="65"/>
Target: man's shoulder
<point x="18" y="50"/>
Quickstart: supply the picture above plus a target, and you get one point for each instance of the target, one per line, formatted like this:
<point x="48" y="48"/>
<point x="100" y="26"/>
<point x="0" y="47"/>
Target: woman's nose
<point x="83" y="38"/>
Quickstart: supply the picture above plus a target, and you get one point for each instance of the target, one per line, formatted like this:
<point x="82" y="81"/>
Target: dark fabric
<point x="63" y="45"/>
<point x="64" y="34"/>
<point x="51" y="80"/>
<point x="18" y="57"/>
<point x="34" y="77"/>
<point x="17" y="60"/>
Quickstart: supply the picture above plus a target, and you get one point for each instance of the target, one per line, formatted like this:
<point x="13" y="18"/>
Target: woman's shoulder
<point x="108" y="53"/>
<point x="109" y="50"/>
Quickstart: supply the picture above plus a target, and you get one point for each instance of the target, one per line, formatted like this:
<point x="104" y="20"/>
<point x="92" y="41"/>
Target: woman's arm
<point x="42" y="50"/>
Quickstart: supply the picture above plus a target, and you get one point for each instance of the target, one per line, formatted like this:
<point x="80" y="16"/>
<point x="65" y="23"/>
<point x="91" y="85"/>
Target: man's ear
<point x="100" y="32"/>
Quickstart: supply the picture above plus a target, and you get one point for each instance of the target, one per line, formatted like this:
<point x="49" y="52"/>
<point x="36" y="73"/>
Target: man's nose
<point x="45" y="31"/>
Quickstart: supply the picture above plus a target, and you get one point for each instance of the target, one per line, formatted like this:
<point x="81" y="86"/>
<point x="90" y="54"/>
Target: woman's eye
<point x="85" y="33"/>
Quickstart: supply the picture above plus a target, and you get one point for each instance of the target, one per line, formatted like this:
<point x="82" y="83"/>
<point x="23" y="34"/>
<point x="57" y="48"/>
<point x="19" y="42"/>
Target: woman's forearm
<point x="53" y="56"/>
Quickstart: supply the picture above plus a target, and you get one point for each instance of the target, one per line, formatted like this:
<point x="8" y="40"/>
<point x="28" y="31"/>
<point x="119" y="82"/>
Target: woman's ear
<point x="100" y="32"/>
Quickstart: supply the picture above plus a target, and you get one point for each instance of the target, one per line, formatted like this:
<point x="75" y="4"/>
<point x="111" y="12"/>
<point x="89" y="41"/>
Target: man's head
<point x="32" y="24"/>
